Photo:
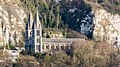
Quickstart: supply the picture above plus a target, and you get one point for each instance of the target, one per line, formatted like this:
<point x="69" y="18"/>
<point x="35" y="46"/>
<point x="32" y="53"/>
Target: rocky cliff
<point x="106" y="25"/>
<point x="101" y="24"/>
<point x="11" y="22"/>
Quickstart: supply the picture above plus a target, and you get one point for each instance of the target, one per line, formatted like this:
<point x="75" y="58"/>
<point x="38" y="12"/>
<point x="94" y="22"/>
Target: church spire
<point x="29" y="25"/>
<point x="36" y="21"/>
<point x="30" y="19"/>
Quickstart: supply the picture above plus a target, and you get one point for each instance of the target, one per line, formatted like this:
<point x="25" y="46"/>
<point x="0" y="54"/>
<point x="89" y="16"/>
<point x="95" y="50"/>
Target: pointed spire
<point x="37" y="17"/>
<point x="37" y="21"/>
<point x="30" y="19"/>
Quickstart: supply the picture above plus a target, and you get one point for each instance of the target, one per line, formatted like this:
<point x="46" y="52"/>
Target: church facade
<point x="33" y="37"/>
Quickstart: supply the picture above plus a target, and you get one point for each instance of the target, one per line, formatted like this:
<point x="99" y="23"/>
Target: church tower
<point x="28" y="32"/>
<point x="37" y="33"/>
<point x="33" y="34"/>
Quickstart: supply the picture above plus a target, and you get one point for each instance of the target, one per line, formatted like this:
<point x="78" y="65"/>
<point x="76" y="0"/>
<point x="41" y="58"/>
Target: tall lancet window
<point x="38" y="33"/>
<point x="38" y="40"/>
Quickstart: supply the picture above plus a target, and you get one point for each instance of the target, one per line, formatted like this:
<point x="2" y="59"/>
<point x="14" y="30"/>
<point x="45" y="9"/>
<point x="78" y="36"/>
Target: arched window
<point x="62" y="47"/>
<point x="52" y="47"/>
<point x="47" y="46"/>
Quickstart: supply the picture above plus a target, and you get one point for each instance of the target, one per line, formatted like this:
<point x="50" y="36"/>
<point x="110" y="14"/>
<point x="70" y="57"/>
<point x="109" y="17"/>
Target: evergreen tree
<point x="44" y="19"/>
<point x="57" y="20"/>
<point x="57" y="16"/>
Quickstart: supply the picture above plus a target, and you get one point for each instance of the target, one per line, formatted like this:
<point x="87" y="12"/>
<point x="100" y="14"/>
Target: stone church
<point x="33" y="34"/>
<point x="35" y="43"/>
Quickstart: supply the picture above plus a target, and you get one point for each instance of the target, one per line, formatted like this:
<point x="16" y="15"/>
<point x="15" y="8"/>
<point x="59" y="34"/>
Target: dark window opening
<point x="47" y="47"/>
<point x="38" y="40"/>
<point x="52" y="47"/>
<point x="62" y="47"/>
<point x="38" y="33"/>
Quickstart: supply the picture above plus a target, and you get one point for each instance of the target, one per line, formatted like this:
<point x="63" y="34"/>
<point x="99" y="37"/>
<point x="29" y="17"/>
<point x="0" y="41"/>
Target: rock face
<point x="11" y="22"/>
<point x="106" y="26"/>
